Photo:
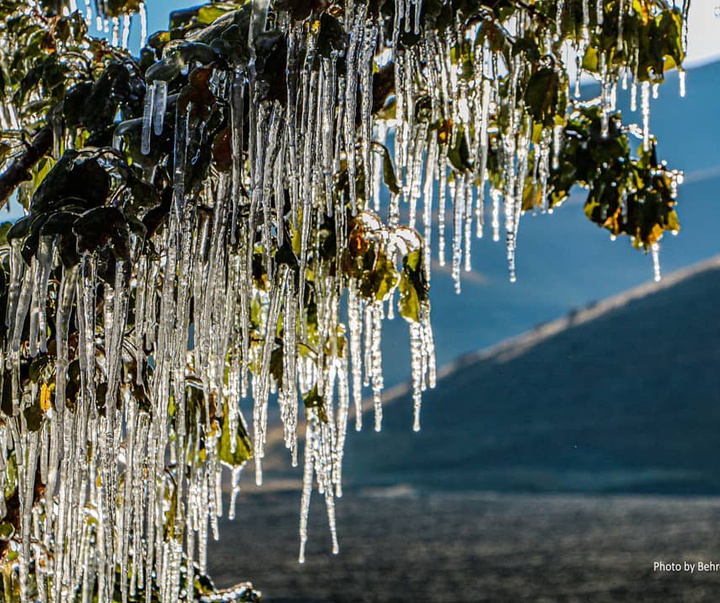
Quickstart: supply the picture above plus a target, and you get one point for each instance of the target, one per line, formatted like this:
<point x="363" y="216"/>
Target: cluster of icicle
<point x="117" y="28"/>
<point x="127" y="502"/>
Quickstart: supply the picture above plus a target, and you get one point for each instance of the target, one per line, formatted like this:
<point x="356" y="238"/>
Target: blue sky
<point x="158" y="11"/>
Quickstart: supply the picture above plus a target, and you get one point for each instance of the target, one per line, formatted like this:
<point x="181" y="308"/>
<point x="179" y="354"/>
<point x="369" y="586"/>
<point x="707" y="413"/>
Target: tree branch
<point x="19" y="170"/>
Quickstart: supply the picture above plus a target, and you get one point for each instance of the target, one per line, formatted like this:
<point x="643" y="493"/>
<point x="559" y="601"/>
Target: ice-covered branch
<point x="20" y="169"/>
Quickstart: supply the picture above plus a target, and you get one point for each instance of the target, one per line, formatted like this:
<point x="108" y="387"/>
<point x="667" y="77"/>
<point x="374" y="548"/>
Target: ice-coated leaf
<point x="314" y="401"/>
<point x="412" y="287"/>
<point x="100" y="226"/>
<point x="380" y="281"/>
<point x="389" y="176"/>
<point x="541" y="95"/>
<point x="73" y="179"/>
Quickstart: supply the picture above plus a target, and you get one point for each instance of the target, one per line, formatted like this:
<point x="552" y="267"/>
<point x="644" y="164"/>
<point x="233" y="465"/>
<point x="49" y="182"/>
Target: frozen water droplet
<point x="657" y="274"/>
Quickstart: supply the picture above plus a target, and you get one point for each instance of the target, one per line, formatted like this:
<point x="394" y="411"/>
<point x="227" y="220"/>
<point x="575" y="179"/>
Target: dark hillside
<point x="621" y="397"/>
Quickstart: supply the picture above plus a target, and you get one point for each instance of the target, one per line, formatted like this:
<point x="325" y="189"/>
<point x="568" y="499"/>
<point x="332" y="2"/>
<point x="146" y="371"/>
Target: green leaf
<point x="34" y="416"/>
<point x="313" y="399"/>
<point x="413" y="287"/>
<point x="100" y="226"/>
<point x="331" y="36"/>
<point x="4" y="229"/>
<point x="409" y="303"/>
<point x="389" y="176"/>
<point x="42" y="369"/>
<point x="669" y="29"/>
<point x="209" y="13"/>
<point x="7" y="530"/>
<point x="171" y="503"/>
<point x="459" y="153"/>
<point x="276" y="364"/>
<point x="381" y="280"/>
<point x="591" y="60"/>
<point x="80" y="179"/>
<point x="118" y="8"/>
<point x="270" y="65"/>
<point x="11" y="475"/>
<point x="541" y="95"/>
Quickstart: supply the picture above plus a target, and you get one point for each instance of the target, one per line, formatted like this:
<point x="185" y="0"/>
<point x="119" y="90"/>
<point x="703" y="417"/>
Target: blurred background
<point x="573" y="438"/>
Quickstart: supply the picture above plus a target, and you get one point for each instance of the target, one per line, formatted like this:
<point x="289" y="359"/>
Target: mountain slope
<point x="622" y="397"/>
<point x="563" y="260"/>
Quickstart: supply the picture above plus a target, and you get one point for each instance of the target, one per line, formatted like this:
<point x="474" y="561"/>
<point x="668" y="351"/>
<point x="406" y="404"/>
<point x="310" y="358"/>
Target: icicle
<point x="142" y="9"/>
<point x="557" y="145"/>
<point x="148" y="111"/>
<point x="418" y="13"/>
<point x="483" y="144"/>
<point x="342" y="421"/>
<point x="17" y="269"/>
<point x="442" y="168"/>
<point x="681" y="82"/>
<point x="115" y="41"/>
<point x="258" y="18"/>
<point x="262" y="390"/>
<point x="38" y="324"/>
<point x="366" y="101"/>
<point x="645" y="107"/>
<point x="160" y="106"/>
<point x="656" y="262"/>
<point x="126" y="31"/>
<point x="417" y="352"/>
<point x="604" y="98"/>
<point x="23" y="305"/>
<point x="88" y="12"/>
<point x="307" y="481"/>
<point x="578" y="70"/>
<point x="397" y="23"/>
<point x="353" y="58"/>
<point x="685" y="22"/>
<point x="457" y="188"/>
<point x="559" y="15"/>
<point x="373" y="330"/>
<point x="430" y="167"/>
<point x="495" y="195"/>
<point x="355" y="328"/>
<point x="468" y="202"/>
<point x="542" y="166"/>
<point x="179" y="161"/>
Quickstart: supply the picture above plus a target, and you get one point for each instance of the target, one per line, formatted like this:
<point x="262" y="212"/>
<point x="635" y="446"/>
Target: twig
<point x="19" y="170"/>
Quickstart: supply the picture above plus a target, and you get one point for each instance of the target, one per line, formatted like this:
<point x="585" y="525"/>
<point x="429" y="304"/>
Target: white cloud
<point x="703" y="31"/>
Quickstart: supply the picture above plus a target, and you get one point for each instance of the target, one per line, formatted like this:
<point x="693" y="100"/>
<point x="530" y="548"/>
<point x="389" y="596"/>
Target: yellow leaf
<point x="45" y="397"/>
